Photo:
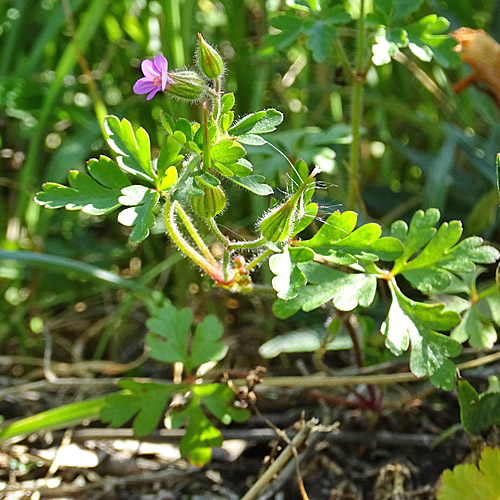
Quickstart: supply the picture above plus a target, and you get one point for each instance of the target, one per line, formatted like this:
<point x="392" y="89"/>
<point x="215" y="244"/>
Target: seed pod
<point x="211" y="204"/>
<point x="209" y="60"/>
<point x="187" y="85"/>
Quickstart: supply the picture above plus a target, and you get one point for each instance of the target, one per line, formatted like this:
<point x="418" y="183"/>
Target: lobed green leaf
<point x="170" y="338"/>
<point x="144" y="402"/>
<point x="440" y="256"/>
<point x="478" y="412"/>
<point x="134" y="149"/>
<point x="289" y="278"/>
<point x="415" y="323"/>
<point x="94" y="194"/>
<point x="140" y="214"/>
<point x="336" y="242"/>
<point x="346" y="291"/>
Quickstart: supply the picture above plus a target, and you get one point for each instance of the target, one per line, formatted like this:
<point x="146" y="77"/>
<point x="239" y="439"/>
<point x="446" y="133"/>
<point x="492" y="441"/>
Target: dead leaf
<point x="482" y="53"/>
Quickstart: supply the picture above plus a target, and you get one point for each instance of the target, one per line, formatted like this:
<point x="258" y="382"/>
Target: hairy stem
<point x="217" y="232"/>
<point x="206" y="140"/>
<point x="243" y="245"/>
<point x="210" y="267"/>
<point x="357" y="110"/>
<point x="263" y="256"/>
<point x="223" y="239"/>
<point x="194" y="234"/>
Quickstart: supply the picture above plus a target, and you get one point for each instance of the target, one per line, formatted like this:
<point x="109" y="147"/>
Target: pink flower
<point x="155" y="77"/>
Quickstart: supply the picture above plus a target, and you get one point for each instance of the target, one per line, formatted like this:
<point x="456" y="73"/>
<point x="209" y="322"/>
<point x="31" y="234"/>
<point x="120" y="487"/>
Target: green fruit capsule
<point x="187" y="85"/>
<point x="209" y="60"/>
<point x="211" y="204"/>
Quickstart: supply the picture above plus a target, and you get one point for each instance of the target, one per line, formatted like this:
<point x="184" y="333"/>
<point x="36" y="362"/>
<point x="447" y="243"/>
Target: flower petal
<point x="152" y="93"/>
<point x="148" y="68"/>
<point x="165" y="80"/>
<point x="161" y="64"/>
<point x="143" y="86"/>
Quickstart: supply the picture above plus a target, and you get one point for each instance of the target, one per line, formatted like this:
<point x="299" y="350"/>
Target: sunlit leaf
<point x="144" y="402"/>
<point x="440" y="253"/>
<point x="467" y="481"/>
<point x="338" y="242"/>
<point x="416" y="324"/>
<point x="132" y="147"/>
<point x="94" y="194"/>
<point x="171" y="340"/>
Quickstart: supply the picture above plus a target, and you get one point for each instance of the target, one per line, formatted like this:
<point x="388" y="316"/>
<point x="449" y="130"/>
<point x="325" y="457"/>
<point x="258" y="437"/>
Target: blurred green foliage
<point x="65" y="63"/>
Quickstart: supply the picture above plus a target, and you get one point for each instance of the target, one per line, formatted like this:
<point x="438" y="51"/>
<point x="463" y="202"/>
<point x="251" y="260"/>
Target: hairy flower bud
<point x="277" y="225"/>
<point x="187" y="85"/>
<point x="209" y="60"/>
<point x="211" y="204"/>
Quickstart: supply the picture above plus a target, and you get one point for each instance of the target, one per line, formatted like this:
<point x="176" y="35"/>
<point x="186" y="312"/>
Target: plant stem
<point x="180" y="242"/>
<point x="217" y="232"/>
<point x="280" y="461"/>
<point x="206" y="140"/>
<point x="243" y="245"/>
<point x="218" y="88"/>
<point x="344" y="61"/>
<point x="194" y="233"/>
<point x="259" y="259"/>
<point x="357" y="110"/>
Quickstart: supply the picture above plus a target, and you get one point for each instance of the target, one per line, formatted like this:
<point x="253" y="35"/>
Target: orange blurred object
<point x="482" y="53"/>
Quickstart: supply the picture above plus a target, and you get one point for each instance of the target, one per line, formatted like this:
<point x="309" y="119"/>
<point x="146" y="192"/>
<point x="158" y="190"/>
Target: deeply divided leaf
<point x="144" y="402"/>
<point x="201" y="435"/>
<point x="93" y="194"/>
<point x="440" y="253"/>
<point x="337" y="241"/>
<point x="346" y="291"/>
<point x="416" y="324"/>
<point x="289" y="278"/>
<point x="133" y="148"/>
<point x="140" y="214"/>
<point x="478" y="412"/>
<point x="171" y="340"/>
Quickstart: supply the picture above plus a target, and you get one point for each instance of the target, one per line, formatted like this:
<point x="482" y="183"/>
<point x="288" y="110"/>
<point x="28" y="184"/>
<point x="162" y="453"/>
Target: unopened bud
<point x="209" y="59"/>
<point x="187" y="85"/>
<point x="277" y="225"/>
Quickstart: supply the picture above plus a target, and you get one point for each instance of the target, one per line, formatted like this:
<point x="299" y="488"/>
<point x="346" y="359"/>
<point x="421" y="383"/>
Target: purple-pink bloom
<point x="155" y="77"/>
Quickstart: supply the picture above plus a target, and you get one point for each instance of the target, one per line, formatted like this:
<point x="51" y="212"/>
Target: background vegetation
<point x="65" y="64"/>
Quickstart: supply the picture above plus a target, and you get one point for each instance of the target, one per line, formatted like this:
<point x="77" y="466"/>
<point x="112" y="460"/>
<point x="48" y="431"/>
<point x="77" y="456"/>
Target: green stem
<point x="263" y="256"/>
<point x="218" y="88"/>
<point x="344" y="61"/>
<point x="357" y="110"/>
<point x="217" y="232"/>
<point x="223" y="239"/>
<point x="206" y="140"/>
<point x="194" y="234"/>
<point x="182" y="244"/>
<point x="244" y="245"/>
<point x="225" y="265"/>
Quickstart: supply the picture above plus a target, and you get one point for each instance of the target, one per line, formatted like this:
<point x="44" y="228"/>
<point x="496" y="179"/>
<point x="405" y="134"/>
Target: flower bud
<point x="187" y="85"/>
<point x="278" y="224"/>
<point x="211" y="204"/>
<point x="209" y="60"/>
